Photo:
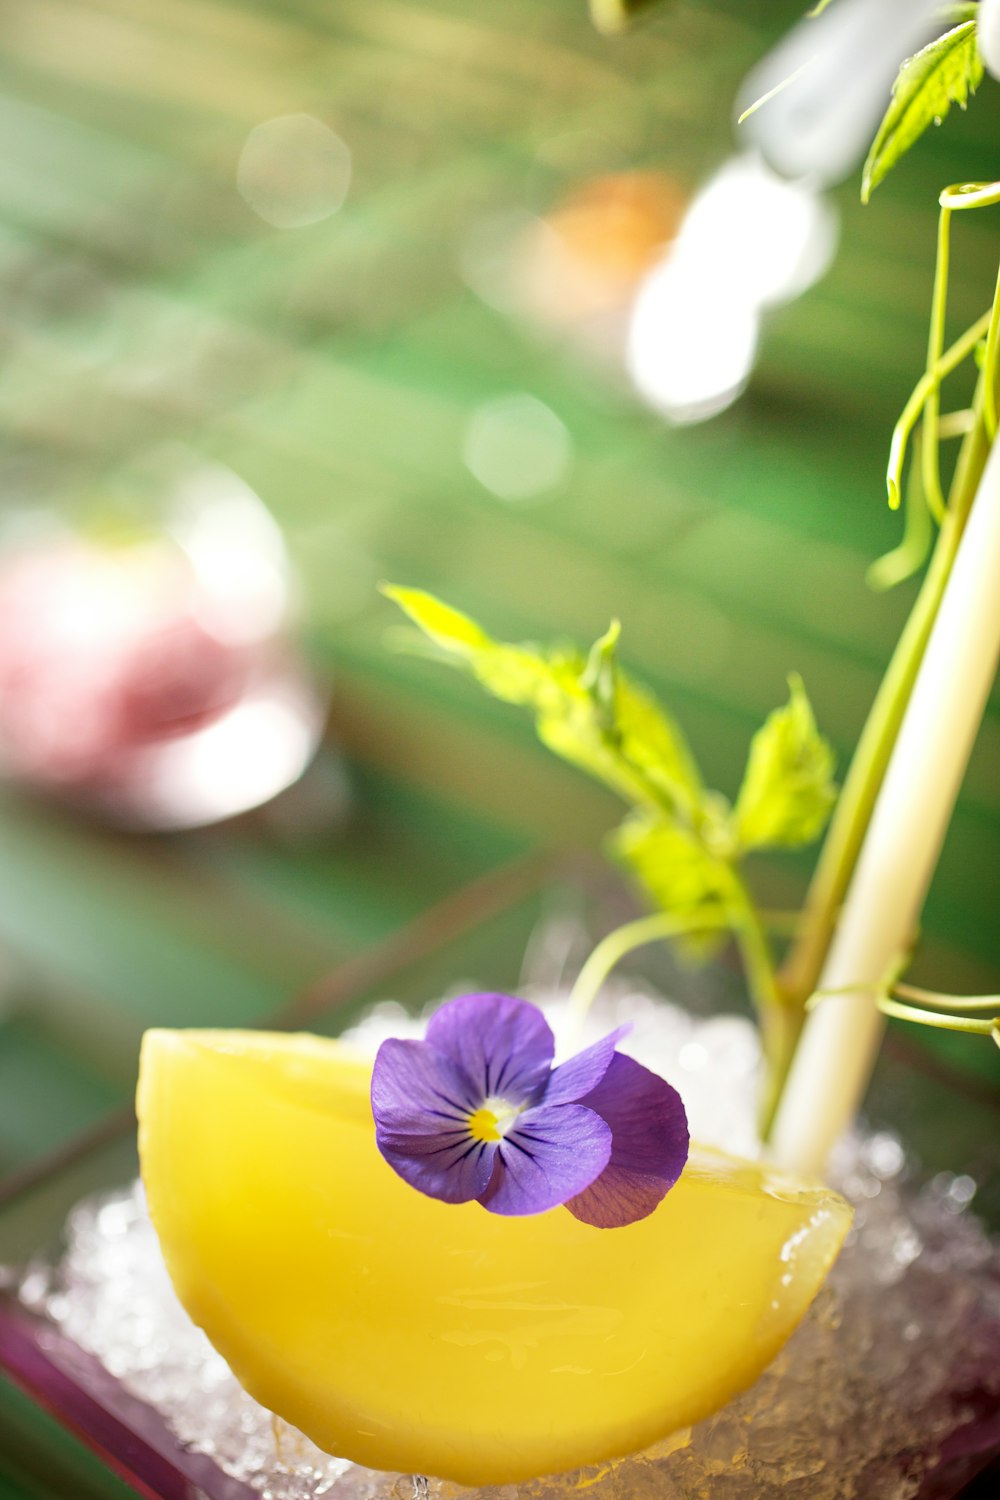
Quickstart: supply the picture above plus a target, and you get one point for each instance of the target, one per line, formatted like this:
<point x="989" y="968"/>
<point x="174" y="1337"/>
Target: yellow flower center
<point x="493" y="1120"/>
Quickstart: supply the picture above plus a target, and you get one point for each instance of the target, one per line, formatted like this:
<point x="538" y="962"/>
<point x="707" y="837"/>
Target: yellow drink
<point x="409" y="1334"/>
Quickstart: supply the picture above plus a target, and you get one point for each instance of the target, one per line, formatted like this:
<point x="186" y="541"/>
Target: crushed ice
<point x="898" y="1353"/>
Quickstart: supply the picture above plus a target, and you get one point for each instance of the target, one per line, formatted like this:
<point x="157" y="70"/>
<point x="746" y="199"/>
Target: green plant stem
<point x="786" y="922"/>
<point x="933" y="1018"/>
<point x="911" y="552"/>
<point x="612" y="949"/>
<point x="780" y="1021"/>
<point x="780" y="1028"/>
<point x="948" y="1002"/>
<point x="930" y="438"/>
<point x="928" y="383"/>
<point x="800" y="972"/>
<point x="990" y="364"/>
<point x="956" y="423"/>
<point x="940" y="1018"/>
<point x="779" y="88"/>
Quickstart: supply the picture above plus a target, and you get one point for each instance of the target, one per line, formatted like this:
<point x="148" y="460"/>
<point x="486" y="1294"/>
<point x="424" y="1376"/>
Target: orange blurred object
<point x="590" y="252"/>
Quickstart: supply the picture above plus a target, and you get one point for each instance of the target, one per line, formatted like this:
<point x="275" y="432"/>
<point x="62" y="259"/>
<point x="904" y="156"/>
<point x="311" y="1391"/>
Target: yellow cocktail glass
<point x="413" y="1335"/>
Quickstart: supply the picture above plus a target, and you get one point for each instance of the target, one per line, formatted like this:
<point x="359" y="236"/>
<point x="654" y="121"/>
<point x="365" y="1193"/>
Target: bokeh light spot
<point x="692" y="341"/>
<point x="771" y="238"/>
<point x="517" y="448"/>
<point x="294" y="170"/>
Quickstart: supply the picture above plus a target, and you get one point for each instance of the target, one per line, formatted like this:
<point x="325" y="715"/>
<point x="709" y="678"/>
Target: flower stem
<point x="780" y="1023"/>
<point x="612" y="949"/>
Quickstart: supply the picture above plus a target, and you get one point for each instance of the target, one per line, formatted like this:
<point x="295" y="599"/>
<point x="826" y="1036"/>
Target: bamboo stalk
<point x="840" y="1040"/>
<point x="801" y="970"/>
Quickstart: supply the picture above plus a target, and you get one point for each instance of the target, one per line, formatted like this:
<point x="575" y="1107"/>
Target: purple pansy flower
<point x="477" y="1111"/>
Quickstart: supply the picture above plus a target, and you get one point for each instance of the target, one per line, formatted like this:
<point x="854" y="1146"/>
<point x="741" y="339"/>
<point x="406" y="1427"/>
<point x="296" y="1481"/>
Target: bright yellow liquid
<point x="408" y="1334"/>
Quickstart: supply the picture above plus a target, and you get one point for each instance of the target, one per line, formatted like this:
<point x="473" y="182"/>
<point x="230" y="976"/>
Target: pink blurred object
<point x="154" y="681"/>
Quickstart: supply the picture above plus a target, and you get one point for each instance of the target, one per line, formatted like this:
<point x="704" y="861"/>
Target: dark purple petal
<point x="649" y="1145"/>
<point x="504" y="1045"/>
<point x="550" y="1154"/>
<point x="454" y="1168"/>
<point x="421" y="1102"/>
<point x="416" y="1090"/>
<point x="572" y="1079"/>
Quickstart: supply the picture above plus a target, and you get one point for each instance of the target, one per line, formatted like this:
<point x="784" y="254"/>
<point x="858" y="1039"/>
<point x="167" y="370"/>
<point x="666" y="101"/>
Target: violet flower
<point x="476" y="1111"/>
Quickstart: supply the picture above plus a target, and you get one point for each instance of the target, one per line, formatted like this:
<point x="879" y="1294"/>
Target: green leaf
<point x="446" y="627"/>
<point x="587" y="711"/>
<point x="788" y="789"/>
<point x="654" y="744"/>
<point x="943" y="73"/>
<point x="679" y="873"/>
<point x="600" y="677"/>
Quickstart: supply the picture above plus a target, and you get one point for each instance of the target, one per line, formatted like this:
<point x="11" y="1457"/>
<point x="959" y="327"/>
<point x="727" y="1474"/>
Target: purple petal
<point x="649" y="1145"/>
<point x="549" y="1155"/>
<point x="504" y="1045"/>
<point x="454" y="1168"/>
<point x="416" y="1090"/>
<point x="421" y="1102"/>
<point x="576" y="1077"/>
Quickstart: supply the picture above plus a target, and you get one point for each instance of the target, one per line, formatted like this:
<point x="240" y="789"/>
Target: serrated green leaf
<point x="943" y="73"/>
<point x="679" y="873"/>
<point x="446" y="627"/>
<point x="600" y="676"/>
<point x="654" y="744"/>
<point x="515" y="674"/>
<point x="587" y="711"/>
<point x="788" y="789"/>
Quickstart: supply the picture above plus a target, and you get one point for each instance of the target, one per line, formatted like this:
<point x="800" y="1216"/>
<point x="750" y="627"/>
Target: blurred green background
<point x="336" y="368"/>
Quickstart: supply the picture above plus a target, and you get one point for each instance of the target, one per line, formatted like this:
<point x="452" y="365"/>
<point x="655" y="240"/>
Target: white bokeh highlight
<point x="771" y="239"/>
<point x="294" y="171"/>
<point x="517" y="448"/>
<point x="749" y="240"/>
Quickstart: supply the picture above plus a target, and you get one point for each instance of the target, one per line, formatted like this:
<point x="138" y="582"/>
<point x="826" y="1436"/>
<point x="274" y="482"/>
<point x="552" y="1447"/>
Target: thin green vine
<point x="891" y="996"/>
